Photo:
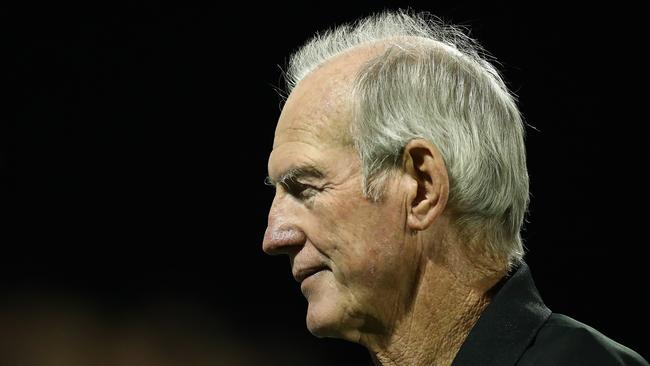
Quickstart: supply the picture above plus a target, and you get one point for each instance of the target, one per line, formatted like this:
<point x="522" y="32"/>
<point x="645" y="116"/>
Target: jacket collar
<point x="508" y="325"/>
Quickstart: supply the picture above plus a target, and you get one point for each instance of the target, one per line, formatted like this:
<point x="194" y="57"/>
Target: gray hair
<point x="436" y="83"/>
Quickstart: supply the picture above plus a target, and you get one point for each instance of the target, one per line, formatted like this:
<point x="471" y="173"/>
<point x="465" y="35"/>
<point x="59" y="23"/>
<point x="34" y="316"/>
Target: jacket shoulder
<point x="565" y="341"/>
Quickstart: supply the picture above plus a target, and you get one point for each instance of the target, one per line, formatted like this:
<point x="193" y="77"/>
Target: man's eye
<point x="300" y="190"/>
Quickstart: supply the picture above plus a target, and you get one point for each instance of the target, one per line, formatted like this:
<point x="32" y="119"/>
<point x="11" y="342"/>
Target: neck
<point x="432" y="330"/>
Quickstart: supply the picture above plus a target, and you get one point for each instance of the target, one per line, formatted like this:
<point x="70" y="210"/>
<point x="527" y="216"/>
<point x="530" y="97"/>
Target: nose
<point x="282" y="236"/>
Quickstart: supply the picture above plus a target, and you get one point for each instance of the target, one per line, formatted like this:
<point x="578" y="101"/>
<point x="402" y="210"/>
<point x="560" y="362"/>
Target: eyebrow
<point x="295" y="173"/>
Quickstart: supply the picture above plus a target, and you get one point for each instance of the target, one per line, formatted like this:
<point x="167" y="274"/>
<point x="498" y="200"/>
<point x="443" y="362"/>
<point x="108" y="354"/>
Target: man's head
<point x="398" y="147"/>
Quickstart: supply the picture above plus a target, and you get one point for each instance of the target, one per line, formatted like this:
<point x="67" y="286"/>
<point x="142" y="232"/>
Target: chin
<point x="325" y="312"/>
<point x="324" y="328"/>
<point x="326" y="318"/>
<point x="328" y="312"/>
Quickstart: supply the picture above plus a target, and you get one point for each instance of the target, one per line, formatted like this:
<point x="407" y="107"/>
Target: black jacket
<point x="518" y="329"/>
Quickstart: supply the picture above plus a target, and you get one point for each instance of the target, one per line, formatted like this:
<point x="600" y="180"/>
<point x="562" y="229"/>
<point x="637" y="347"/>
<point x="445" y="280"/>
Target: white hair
<point x="434" y="82"/>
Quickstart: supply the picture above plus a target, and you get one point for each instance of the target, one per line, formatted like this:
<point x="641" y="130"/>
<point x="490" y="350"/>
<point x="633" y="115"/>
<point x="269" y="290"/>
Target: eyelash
<point x="297" y="189"/>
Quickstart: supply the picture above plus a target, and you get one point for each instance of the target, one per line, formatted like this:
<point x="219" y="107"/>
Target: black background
<point x="135" y="141"/>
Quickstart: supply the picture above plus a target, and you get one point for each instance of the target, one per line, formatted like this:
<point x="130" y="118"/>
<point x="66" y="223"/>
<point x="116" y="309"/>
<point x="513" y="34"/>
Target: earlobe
<point x="429" y="188"/>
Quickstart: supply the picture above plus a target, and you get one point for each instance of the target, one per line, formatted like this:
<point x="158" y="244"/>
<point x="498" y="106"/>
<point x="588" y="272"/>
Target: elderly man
<point x="401" y="188"/>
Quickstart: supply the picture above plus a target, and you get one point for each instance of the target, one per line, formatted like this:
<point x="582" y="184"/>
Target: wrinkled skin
<point x="381" y="274"/>
<point x="361" y="243"/>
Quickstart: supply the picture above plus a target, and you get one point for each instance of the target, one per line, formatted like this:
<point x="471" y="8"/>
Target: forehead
<point x="315" y="119"/>
<point x="314" y="123"/>
<point x="317" y="111"/>
<point x="321" y="103"/>
<point x="312" y="129"/>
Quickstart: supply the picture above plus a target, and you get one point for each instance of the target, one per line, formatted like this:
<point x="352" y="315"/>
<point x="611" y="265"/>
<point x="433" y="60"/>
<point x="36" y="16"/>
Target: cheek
<point x="356" y="235"/>
<point x="359" y="239"/>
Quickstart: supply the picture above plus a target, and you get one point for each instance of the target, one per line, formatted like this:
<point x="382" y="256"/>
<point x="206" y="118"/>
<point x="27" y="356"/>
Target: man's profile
<point x="401" y="189"/>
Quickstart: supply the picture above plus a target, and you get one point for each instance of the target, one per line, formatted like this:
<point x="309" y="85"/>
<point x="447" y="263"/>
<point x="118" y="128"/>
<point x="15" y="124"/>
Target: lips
<point x="303" y="272"/>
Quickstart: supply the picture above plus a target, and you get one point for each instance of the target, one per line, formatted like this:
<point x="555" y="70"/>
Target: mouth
<point x="302" y="273"/>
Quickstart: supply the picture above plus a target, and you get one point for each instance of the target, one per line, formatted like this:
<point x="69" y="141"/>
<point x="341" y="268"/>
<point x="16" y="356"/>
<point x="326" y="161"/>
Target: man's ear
<point x="428" y="188"/>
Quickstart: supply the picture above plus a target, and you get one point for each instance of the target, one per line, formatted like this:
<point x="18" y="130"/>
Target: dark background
<point x="133" y="152"/>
